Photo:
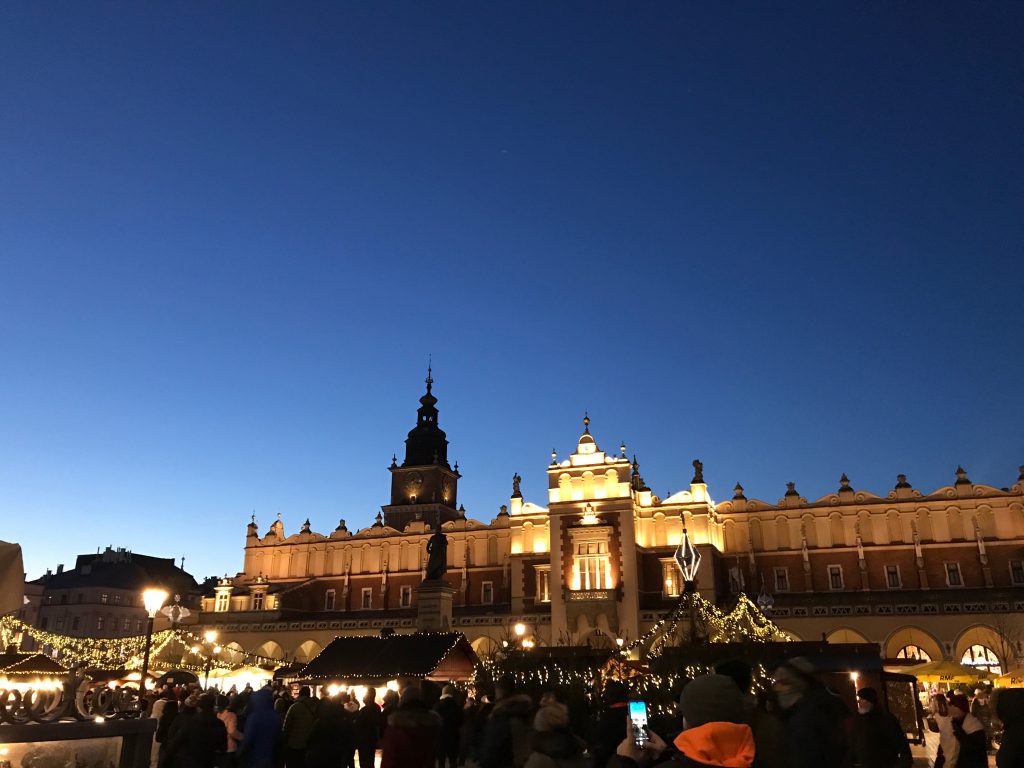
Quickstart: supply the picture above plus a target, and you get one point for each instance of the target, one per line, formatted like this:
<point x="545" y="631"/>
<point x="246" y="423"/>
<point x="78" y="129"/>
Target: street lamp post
<point x="152" y="599"/>
<point x="210" y="636"/>
<point x="688" y="560"/>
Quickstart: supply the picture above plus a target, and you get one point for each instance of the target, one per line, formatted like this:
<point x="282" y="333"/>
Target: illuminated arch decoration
<point x="983" y="658"/>
<point x="307" y="651"/>
<point x="845" y="635"/>
<point x="912" y="643"/>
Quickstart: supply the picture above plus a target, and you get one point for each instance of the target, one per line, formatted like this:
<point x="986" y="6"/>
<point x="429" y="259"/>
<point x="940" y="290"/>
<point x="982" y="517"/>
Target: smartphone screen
<point x="638" y="718"/>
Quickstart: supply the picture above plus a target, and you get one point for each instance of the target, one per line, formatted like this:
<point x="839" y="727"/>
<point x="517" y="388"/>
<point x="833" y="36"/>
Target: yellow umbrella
<point x="947" y="672"/>
<point x="1012" y="679"/>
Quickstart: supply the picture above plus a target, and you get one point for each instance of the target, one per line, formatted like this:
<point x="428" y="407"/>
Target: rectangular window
<point x="782" y="580"/>
<point x="43" y="622"/>
<point x="74" y="622"/>
<point x="99" y="622"/>
<point x="1017" y="572"/>
<point x="487" y="593"/>
<point x="544" y="584"/>
<point x="257" y="601"/>
<point x="125" y="624"/>
<point x="59" y="624"/>
<point x="81" y="597"/>
<point x="835" y="577"/>
<point x="117" y="599"/>
<point x="329" y="600"/>
<point x="138" y="626"/>
<point x="892" y="577"/>
<point x="64" y="599"/>
<point x="670" y="578"/>
<point x="367" y="598"/>
<point x="103" y="599"/>
<point x="223" y="600"/>
<point x="49" y="599"/>
<point x="953" y="575"/>
<point x="405" y="597"/>
<point x="590" y="566"/>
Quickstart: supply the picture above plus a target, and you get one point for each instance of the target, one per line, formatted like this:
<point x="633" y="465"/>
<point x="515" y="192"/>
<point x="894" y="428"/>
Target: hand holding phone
<point x="638" y="723"/>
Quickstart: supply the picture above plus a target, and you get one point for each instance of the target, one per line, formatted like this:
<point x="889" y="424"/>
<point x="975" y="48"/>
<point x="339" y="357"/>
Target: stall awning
<point x="434" y="656"/>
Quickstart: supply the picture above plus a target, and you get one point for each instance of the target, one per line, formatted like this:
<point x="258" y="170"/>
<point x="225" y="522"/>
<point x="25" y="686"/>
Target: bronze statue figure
<point x="516" y="480"/>
<point x="437" y="552"/>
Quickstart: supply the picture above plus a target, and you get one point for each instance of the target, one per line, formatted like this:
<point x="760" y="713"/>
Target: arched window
<point x="981" y="657"/>
<point x="913" y="652"/>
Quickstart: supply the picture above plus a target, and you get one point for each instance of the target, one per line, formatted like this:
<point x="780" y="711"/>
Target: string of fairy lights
<point x="127" y="652"/>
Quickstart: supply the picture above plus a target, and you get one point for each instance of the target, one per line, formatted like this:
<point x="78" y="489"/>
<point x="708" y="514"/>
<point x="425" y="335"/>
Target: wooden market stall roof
<point x="374" y="659"/>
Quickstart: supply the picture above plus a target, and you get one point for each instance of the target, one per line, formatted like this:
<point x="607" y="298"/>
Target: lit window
<point x="99" y="622"/>
<point x="914" y="653"/>
<point x="892" y="577"/>
<point x="591" y="569"/>
<point x="782" y="579"/>
<point x="487" y="592"/>
<point x="953" y="575"/>
<point x="980" y="657"/>
<point x="125" y="624"/>
<point x="59" y="624"/>
<point x="257" y="601"/>
<point x="544" y="584"/>
<point x="329" y="600"/>
<point x="103" y="599"/>
<point x="138" y="626"/>
<point x="49" y="599"/>
<point x="223" y="600"/>
<point x="1017" y="572"/>
<point x="670" y="578"/>
<point x="835" y="577"/>
<point x="405" y="597"/>
<point x="367" y="594"/>
<point x="117" y="599"/>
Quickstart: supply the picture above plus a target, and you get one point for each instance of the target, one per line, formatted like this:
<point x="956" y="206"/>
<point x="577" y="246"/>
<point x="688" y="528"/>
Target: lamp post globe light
<point x="210" y="636"/>
<point x="152" y="599"/>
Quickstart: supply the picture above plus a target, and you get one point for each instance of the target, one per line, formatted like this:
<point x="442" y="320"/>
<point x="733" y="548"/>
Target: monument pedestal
<point x="434" y="606"/>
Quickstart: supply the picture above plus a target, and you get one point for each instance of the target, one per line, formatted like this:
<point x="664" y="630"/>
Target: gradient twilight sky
<point x="783" y="238"/>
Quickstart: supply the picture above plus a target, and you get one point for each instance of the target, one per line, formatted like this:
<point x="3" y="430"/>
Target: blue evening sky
<point x="782" y="237"/>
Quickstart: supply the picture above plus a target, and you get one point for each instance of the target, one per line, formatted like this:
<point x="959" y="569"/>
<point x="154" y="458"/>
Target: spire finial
<point x="430" y="378"/>
<point x="586" y="423"/>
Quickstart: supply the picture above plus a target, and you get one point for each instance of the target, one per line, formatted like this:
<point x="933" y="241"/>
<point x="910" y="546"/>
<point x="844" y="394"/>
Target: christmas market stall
<point x="381" y="661"/>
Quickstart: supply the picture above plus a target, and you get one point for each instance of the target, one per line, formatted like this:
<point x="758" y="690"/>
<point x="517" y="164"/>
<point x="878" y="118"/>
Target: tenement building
<point x="925" y="575"/>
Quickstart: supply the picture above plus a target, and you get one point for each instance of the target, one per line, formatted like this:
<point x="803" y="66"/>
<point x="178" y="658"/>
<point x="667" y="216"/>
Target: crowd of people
<point x="796" y="722"/>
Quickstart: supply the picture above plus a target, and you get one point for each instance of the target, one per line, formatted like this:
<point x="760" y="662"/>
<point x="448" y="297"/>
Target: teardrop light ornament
<point x="688" y="559"/>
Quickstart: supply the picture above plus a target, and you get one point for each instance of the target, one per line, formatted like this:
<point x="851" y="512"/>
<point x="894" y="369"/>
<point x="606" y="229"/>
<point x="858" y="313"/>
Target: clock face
<point x="413" y="482"/>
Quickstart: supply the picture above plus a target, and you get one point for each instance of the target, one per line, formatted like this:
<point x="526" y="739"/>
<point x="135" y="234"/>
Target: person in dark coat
<point x="554" y="745"/>
<point x="610" y="722"/>
<point x="878" y="740"/>
<point x="969" y="733"/>
<point x="1010" y="710"/>
<point x="813" y="717"/>
<point x="168" y="715"/>
<point x="201" y="742"/>
<point x="262" y="734"/>
<point x="298" y="722"/>
<point x="367" y="725"/>
<point x="769" y="731"/>
<point x="413" y="733"/>
<point x="506" y="737"/>
<point x="330" y="739"/>
<point x="449" y="707"/>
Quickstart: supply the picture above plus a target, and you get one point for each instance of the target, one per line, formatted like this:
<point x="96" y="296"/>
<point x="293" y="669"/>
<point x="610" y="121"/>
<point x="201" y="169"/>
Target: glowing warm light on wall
<point x="517" y="547"/>
<point x="36" y="684"/>
<point x="540" y="544"/>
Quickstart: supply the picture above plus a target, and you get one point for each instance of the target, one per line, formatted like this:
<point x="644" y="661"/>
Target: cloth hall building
<point x="925" y="575"/>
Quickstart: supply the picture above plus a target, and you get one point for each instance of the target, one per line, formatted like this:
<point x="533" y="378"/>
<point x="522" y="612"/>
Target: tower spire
<point x="430" y="378"/>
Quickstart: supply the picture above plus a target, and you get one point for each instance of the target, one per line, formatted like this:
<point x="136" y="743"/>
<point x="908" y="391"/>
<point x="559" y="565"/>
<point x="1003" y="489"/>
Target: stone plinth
<point x="434" y="606"/>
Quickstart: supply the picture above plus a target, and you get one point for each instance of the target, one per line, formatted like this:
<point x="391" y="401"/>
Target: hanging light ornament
<point x="688" y="559"/>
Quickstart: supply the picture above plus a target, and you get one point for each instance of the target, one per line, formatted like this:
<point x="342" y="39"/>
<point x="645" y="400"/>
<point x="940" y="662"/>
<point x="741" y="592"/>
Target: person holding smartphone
<point x="714" y="732"/>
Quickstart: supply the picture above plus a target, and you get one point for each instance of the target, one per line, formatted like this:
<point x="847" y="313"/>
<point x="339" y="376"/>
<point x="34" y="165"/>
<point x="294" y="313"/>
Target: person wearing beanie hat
<point x="969" y="733"/>
<point x="813" y="716"/>
<point x="413" y="733"/>
<point x="553" y="744"/>
<point x="201" y="742"/>
<point x="449" y="707"/>
<point x="877" y="739"/>
<point x="714" y="732"/>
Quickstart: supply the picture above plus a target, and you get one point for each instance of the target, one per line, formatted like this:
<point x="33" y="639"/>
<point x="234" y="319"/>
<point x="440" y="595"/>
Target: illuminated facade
<point x="932" y="575"/>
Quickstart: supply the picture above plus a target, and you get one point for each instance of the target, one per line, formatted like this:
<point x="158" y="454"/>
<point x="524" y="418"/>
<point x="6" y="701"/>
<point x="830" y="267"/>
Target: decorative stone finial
<point x="503" y="512"/>
<point x="341" y="526"/>
<point x="698" y="471"/>
<point x="456" y="467"/>
<point x="622" y="449"/>
<point x="901" y="482"/>
<point x="586" y="423"/>
<point x="379" y="522"/>
<point x="554" y="457"/>
<point x="305" y="526"/>
<point x="737" y="493"/>
<point x="516" y="480"/>
<point x="394" y="461"/>
<point x="1020" y="476"/>
<point x="961" y="477"/>
<point x="462" y="510"/>
<point x="791" y="489"/>
<point x="844" y="484"/>
<point x="430" y="378"/>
